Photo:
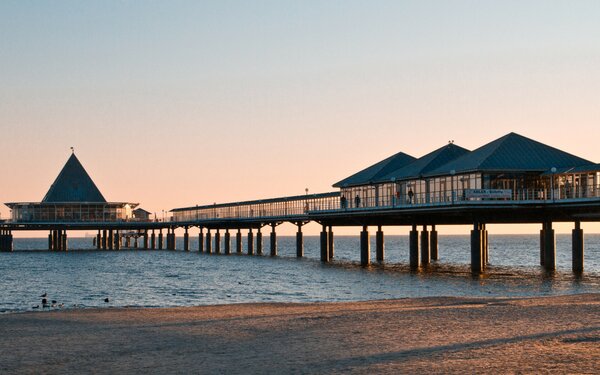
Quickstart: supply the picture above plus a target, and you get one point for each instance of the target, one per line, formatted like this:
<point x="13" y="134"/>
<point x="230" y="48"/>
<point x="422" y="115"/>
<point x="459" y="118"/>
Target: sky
<point x="177" y="103"/>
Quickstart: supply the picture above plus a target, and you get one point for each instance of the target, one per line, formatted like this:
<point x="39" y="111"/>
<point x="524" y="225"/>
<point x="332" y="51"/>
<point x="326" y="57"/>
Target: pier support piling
<point x="273" y="241"/>
<point x="118" y="240"/>
<point x="201" y="240"/>
<point x="227" y="240"/>
<point x="324" y="245"/>
<point x="146" y="245"/>
<point x="365" y="247"/>
<point x="476" y="249"/>
<point x="250" y="242"/>
<point x="413" y="238"/>
<point x="577" y="248"/>
<point x="433" y="243"/>
<point x="331" y="243"/>
<point x="111" y="240"/>
<point x="104" y="239"/>
<point x="98" y="240"/>
<point x="208" y="242"/>
<point x="425" y="253"/>
<point x="259" y="242"/>
<point x="186" y="240"/>
<point x="549" y="247"/>
<point x="238" y="241"/>
<point x="153" y="240"/>
<point x="379" y="245"/>
<point x="160" y="239"/>
<point x="218" y="242"/>
<point x="299" y="242"/>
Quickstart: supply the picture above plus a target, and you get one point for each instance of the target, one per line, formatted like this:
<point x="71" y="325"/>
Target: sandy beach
<point x="437" y="335"/>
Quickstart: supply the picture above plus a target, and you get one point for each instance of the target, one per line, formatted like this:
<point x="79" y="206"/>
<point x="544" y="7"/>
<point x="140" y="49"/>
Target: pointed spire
<point x="73" y="184"/>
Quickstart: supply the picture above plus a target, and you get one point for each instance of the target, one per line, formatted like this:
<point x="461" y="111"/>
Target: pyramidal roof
<point x="426" y="163"/>
<point x="73" y="184"/>
<point x="512" y="152"/>
<point x="377" y="170"/>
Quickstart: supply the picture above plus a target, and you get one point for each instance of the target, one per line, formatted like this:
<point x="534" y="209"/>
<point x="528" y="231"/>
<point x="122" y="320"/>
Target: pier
<point x="510" y="180"/>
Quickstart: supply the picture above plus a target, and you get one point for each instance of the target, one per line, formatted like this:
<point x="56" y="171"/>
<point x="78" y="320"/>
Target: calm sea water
<point x="153" y="278"/>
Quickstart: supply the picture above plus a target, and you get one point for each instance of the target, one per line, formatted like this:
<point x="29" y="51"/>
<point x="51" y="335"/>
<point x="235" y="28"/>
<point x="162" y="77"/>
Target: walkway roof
<point x="426" y="163"/>
<point x="73" y="184"/>
<point x="511" y="153"/>
<point x="376" y="171"/>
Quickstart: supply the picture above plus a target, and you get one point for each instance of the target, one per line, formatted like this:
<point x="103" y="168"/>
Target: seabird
<point x="44" y="295"/>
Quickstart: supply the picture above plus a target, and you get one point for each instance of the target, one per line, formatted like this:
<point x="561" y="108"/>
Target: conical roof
<point x="374" y="172"/>
<point x="512" y="152"/>
<point x="73" y="184"/>
<point x="426" y="163"/>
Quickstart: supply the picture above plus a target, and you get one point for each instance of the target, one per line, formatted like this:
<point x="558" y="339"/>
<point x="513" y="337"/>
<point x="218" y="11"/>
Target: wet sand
<point x="436" y="335"/>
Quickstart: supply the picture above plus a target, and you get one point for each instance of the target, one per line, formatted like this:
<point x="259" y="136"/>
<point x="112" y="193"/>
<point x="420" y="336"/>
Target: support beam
<point x="259" y="242"/>
<point x="331" y="243"/>
<point x="273" y="241"/>
<point x="365" y="247"/>
<point x="476" y="249"/>
<point x="413" y="238"/>
<point x="433" y="243"/>
<point x="299" y="242"/>
<point x="250" y="242"/>
<point x="227" y="240"/>
<point x="549" y="247"/>
<point x="578" y="248"/>
<point x="324" y="245"/>
<point x="379" y="245"/>
<point x="238" y="242"/>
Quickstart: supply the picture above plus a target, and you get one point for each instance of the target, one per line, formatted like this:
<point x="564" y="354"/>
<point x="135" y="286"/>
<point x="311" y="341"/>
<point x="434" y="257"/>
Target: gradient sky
<point x="177" y="103"/>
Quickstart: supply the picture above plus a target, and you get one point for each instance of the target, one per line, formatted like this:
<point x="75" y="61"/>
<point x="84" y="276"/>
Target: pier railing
<point x="299" y="206"/>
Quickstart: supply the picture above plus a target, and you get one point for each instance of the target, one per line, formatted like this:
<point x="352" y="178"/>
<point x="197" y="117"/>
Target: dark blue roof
<point x="426" y="163"/>
<point x="512" y="152"/>
<point x="73" y="184"/>
<point x="376" y="171"/>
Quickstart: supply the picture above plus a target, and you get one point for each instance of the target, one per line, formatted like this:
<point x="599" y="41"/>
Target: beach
<point x="559" y="334"/>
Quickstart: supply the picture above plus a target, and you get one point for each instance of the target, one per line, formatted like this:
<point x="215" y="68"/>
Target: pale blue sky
<point x="176" y="103"/>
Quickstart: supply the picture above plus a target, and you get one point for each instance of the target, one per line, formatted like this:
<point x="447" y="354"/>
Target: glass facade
<point x="70" y="212"/>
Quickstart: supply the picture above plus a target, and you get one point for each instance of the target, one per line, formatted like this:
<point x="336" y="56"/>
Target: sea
<point x="85" y="277"/>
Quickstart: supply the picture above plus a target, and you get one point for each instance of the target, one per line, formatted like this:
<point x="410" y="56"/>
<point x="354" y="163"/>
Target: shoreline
<point x="434" y="334"/>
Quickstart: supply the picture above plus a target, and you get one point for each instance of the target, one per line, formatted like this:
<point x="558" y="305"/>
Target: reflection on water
<point x="85" y="277"/>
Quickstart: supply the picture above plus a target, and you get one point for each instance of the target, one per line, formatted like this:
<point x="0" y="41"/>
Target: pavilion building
<point x="73" y="197"/>
<point x="512" y="167"/>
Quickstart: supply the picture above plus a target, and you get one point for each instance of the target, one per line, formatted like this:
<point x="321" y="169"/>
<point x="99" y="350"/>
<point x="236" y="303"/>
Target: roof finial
<point x="72" y="149"/>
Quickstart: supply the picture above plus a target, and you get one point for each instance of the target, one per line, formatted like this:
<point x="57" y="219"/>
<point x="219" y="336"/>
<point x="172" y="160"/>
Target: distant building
<point x="72" y="197"/>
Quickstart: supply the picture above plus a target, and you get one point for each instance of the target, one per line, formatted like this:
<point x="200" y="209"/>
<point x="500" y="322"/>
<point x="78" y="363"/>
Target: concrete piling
<point x="476" y="249"/>
<point x="425" y="251"/>
<point x="273" y="241"/>
<point x="299" y="242"/>
<point x="331" y="243"/>
<point x="324" y="245"/>
<point x="413" y="238"/>
<point x="259" y="242"/>
<point x="201" y="240"/>
<point x="238" y="241"/>
<point x="365" y="247"/>
<point x="227" y="240"/>
<point x="549" y="247"/>
<point x="250" y="242"/>
<point x="577" y="248"/>
<point x="208" y="242"/>
<point x="218" y="242"/>
<point x="433" y="243"/>
<point x="379" y="245"/>
<point x="186" y="240"/>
